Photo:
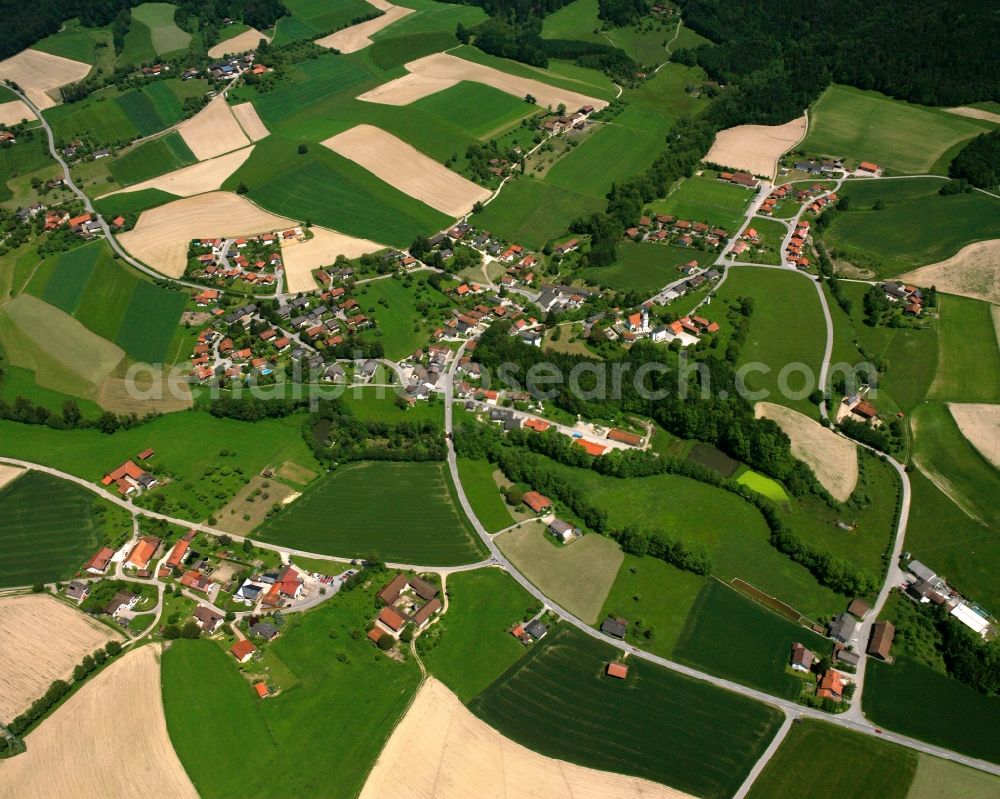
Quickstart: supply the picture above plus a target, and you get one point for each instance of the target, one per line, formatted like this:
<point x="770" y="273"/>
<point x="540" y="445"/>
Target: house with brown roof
<point x="831" y="686"/>
<point x="242" y="651"/>
<point x="802" y="658"/>
<point x="391" y="619"/>
<point x="98" y="564"/>
<point x="423" y="616"/>
<point x="880" y="643"/>
<point x="624" y="437"/>
<point x="537" y="502"/>
<point x="123" y="600"/>
<point x="207" y="619"/>
<point x="619" y="670"/>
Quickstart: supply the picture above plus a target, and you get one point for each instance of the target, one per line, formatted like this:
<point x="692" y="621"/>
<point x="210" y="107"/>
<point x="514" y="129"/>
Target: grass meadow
<point x="664" y="727"/>
<point x="723" y="622"/>
<point x="936" y="778"/>
<point x="214" y="716"/>
<point x="810" y="760"/>
<point x="705" y="199"/>
<point x="346" y="514"/>
<point x="394" y="307"/>
<point x="868" y="126"/>
<point x="311" y="18"/>
<point x="484" y="494"/>
<point x="968" y="364"/>
<point x="48" y="529"/>
<point x="19" y="381"/>
<point x="89" y="45"/>
<point x="486" y="112"/>
<point x="474" y="646"/>
<point x="133" y="202"/>
<point x="164" y="33"/>
<point x="152" y="158"/>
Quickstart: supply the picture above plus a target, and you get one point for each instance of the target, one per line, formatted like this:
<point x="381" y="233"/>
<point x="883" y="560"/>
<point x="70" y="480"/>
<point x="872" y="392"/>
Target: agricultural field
<point x="214" y="717"/>
<point x="868" y="126"/>
<point x="755" y="148"/>
<point x="132" y="202"/>
<point x="556" y="699"/>
<point x="955" y="715"/>
<point x="26" y="159"/>
<point x="166" y="37"/>
<point x="345" y="514"/>
<point x="486" y="112"/>
<point x="705" y="199"/>
<point x="644" y="266"/>
<point x="936" y="778"/>
<point x="810" y="760"/>
<point x="80" y="43"/>
<point x="915" y="226"/>
<point x="577" y="576"/>
<point x="968" y="365"/>
<point x="151" y="159"/>
<point x="471" y="646"/>
<point x="483" y="494"/>
<point x="723" y="622"/>
<point x="312" y="18"/>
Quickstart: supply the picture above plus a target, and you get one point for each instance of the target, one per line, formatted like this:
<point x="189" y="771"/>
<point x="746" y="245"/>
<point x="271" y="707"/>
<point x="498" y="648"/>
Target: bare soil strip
<point x="441" y="751"/>
<point x="13" y="112"/>
<point x="108" y="738"/>
<point x="756" y="148"/>
<point x="213" y="131"/>
<point x="357" y="37"/>
<point x="248" y="40"/>
<point x="974" y="271"/>
<point x="444" y="67"/>
<point x="9" y="473"/>
<point x="41" y="640"/>
<point x="40" y="74"/>
<point x="834" y="460"/>
<point x="407" y="89"/>
<point x="980" y="424"/>
<point x="301" y="257"/>
<point x="161" y="236"/>
<point x="407" y="169"/>
<point x="195" y="179"/>
<point x="974" y="113"/>
<point x="249" y="120"/>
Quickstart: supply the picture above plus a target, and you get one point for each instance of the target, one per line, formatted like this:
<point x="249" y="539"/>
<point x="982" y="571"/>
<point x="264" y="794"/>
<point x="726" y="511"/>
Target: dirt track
<point x="834" y="460"/>
<point x="9" y="473"/>
<point x="441" y="751"/>
<point x="248" y="40"/>
<point x="41" y="640"/>
<point x="197" y="178"/>
<point x="407" y="169"/>
<point x="974" y="271"/>
<point x="161" y="236"/>
<point x="213" y="131"/>
<point x="301" y="257"/>
<point x="755" y="148"/>
<point x="443" y="68"/>
<point x="107" y="740"/>
<point x="357" y="37"/>
<point x="249" y="120"/>
<point x="13" y="112"/>
<point x="39" y="73"/>
<point x="980" y="424"/>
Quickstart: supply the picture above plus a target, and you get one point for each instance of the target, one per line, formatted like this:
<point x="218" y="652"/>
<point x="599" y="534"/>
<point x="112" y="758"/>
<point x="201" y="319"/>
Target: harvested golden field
<point x="41" y="640"/>
<point x="40" y="74"/>
<point x="213" y="131"/>
<point x="447" y="70"/>
<point x="161" y="236"/>
<point x="9" y="473"/>
<point x="13" y="112"/>
<point x="974" y="271"/>
<point x="249" y="120"/>
<point x="756" y="148"/>
<point x="240" y="43"/>
<point x="974" y="113"/>
<point x="833" y="459"/>
<point x="197" y="178"/>
<point x="407" y="169"/>
<point x="441" y="751"/>
<point x="357" y="37"/>
<point x="108" y="738"/>
<point x="301" y="257"/>
<point x="980" y="424"/>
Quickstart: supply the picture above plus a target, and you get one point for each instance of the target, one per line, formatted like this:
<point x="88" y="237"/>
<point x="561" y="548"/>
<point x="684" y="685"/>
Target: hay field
<point x="9" y="473"/>
<point x="162" y="234"/>
<point x="980" y="424"/>
<point x="974" y="113"/>
<point x="974" y="271"/>
<point x="357" y="37"/>
<point x="195" y="179"/>
<point x="213" y="131"/>
<point x="240" y="43"/>
<point x="447" y="70"/>
<point x="405" y="168"/>
<point x="90" y="747"/>
<point x="756" y="148"/>
<point x="301" y="257"/>
<point x="250" y="121"/>
<point x="834" y="460"/>
<point x="13" y="112"/>
<point x="441" y="751"/>
<point x="39" y="73"/>
<point x="41" y="640"/>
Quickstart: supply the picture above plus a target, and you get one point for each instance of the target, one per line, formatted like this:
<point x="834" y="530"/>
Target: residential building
<point x="207" y="619"/>
<point x="615" y="627"/>
<point x="802" y="658"/>
<point x="242" y="651"/>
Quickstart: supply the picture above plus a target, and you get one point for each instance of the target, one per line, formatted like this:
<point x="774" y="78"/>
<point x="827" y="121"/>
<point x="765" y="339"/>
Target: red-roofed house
<point x="590" y="447"/>
<point x="143" y="552"/>
<point x="391" y="619"/>
<point x="537" y="502"/>
<point x="619" y="670"/>
<point x="99" y="563"/>
<point x="242" y="651"/>
<point x="831" y="686"/>
<point x="538" y="425"/>
<point x="261" y="689"/>
<point x="177" y="554"/>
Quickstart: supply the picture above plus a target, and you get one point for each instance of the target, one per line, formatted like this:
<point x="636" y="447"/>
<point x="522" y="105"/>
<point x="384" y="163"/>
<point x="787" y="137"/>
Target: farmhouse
<point x="196" y="581"/>
<point x="616" y="627"/>
<point x="123" y="600"/>
<point x="881" y="641"/>
<point x="207" y="619"/>
<point x="129" y="478"/>
<point x="843" y="628"/>
<point x="391" y="619"/>
<point x="802" y="658"/>
<point x="178" y="553"/>
<point x="242" y="651"/>
<point x="99" y="563"/>
<point x="537" y="502"/>
<point x="143" y="552"/>
<point x="858" y="607"/>
<point x="77" y="591"/>
<point x="260" y="687"/>
<point x="831" y="686"/>
<point x="423" y="616"/>
<point x="287" y="585"/>
<point x="536" y="630"/>
<point x="564" y="531"/>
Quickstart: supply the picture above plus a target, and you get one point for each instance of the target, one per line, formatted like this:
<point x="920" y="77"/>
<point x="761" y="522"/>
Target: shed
<point x="619" y="670"/>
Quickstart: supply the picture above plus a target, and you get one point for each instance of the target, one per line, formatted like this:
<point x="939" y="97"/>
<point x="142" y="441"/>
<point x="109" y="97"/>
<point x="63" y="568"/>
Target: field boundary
<point x="767" y="601"/>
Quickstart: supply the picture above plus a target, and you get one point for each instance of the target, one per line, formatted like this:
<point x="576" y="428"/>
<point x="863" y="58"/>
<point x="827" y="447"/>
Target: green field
<point x="953" y="715"/>
<point x="868" y="126"/>
<point x="732" y="636"/>
<point x="401" y="327"/>
<point x="19" y="381"/>
<point x="346" y="514"/>
<point x="577" y="576"/>
<point x="486" y="112"/>
<point x="152" y="158"/>
<point x="80" y="43"/>
<point x="968" y="364"/>
<point x="311" y="18"/>
<point x="48" y="529"/>
<point x="764" y="485"/>
<point x="557" y="701"/>
<point x="215" y="718"/>
<point x="915" y="227"/>
<point x="811" y="762"/>
<point x="138" y="45"/>
<point x="132" y="202"/>
<point x="159" y="18"/>
<point x="69" y="277"/>
<point x="475" y="645"/>
<point x="483" y="494"/>
<point x="937" y="778"/>
<point x="705" y="199"/>
<point x="577" y="20"/>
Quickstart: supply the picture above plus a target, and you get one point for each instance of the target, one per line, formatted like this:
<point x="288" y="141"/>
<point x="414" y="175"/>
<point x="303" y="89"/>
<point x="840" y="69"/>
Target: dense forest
<point x="979" y="161"/>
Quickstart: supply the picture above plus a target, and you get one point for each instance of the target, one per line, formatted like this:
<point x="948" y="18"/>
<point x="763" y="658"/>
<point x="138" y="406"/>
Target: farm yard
<point x="555" y="702"/>
<point x="345" y="514"/>
<point x="42" y="640"/>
